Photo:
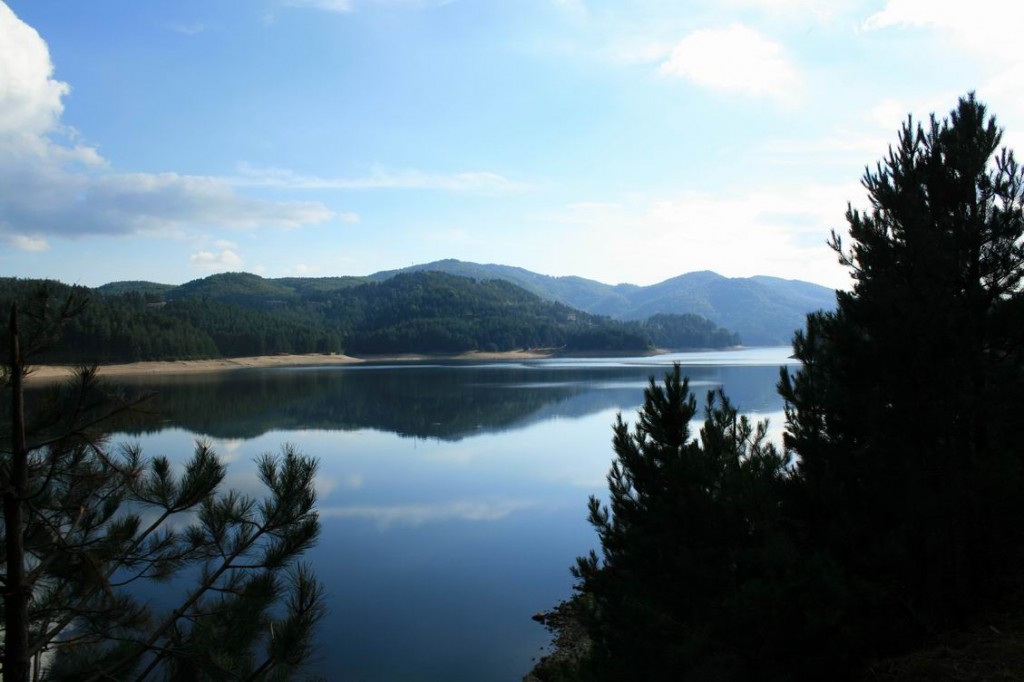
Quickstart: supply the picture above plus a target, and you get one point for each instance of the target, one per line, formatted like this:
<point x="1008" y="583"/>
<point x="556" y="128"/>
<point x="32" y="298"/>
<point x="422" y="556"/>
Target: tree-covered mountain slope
<point x="439" y="312"/>
<point x="762" y="310"/>
<point x="445" y="306"/>
<point x="239" y="314"/>
<point x="577" y="292"/>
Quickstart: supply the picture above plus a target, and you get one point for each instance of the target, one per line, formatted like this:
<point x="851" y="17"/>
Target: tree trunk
<point x="15" y="656"/>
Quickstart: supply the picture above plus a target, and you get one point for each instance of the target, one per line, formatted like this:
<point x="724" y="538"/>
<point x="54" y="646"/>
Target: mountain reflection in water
<point x="447" y="402"/>
<point x="452" y="496"/>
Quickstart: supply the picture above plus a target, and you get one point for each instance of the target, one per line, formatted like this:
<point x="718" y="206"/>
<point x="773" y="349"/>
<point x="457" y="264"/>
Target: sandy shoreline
<point x="50" y="372"/>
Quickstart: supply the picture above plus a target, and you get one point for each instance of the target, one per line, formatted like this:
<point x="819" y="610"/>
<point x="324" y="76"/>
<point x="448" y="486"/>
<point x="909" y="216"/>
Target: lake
<point x="453" y="496"/>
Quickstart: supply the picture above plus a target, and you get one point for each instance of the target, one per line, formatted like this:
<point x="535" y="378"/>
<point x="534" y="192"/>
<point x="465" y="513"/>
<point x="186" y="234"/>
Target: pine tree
<point x="901" y="416"/>
<point x="682" y="538"/>
<point x="85" y="524"/>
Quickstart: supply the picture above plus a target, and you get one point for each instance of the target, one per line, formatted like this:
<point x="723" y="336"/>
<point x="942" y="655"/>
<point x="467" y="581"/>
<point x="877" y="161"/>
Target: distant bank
<point x="52" y="372"/>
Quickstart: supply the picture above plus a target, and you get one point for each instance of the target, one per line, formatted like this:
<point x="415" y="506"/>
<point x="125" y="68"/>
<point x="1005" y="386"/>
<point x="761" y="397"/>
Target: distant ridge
<point x="763" y="310"/>
<point x="135" y="286"/>
<point x="575" y="292"/>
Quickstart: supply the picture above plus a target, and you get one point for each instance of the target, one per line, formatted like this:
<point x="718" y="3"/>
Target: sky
<point x="622" y="141"/>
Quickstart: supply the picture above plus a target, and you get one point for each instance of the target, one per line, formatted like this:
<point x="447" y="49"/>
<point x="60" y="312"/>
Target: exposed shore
<point x="52" y="372"/>
<point x="55" y="372"/>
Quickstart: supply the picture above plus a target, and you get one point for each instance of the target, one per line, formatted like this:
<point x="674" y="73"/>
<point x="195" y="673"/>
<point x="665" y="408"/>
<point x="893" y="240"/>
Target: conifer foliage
<point x="902" y="415"/>
<point x="85" y="525"/>
<point x="686" y="523"/>
<point x="896" y="511"/>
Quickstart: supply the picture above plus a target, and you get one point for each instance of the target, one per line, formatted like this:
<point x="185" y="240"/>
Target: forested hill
<point x="240" y="314"/>
<point x="762" y="310"/>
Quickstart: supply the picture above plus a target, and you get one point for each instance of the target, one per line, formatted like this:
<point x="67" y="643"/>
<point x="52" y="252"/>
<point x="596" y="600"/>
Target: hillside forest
<point x="240" y="314"/>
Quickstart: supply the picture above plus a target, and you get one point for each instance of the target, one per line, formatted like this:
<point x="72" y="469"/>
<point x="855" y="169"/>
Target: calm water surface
<point x="452" y="496"/>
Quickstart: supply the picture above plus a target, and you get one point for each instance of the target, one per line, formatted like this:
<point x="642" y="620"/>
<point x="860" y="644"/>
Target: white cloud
<point x="418" y="514"/>
<point x="30" y="98"/>
<point x="52" y="185"/>
<point x="988" y="31"/>
<point x="20" y="241"/>
<point x="229" y="449"/>
<point x="472" y="181"/>
<point x="779" y="232"/>
<point x="990" y="27"/>
<point x="736" y="58"/>
<point x="349" y="217"/>
<point x="216" y="262"/>
<point x="45" y="197"/>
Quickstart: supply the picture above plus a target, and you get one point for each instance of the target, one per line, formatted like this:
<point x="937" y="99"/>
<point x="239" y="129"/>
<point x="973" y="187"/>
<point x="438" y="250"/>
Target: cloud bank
<point x="52" y="186"/>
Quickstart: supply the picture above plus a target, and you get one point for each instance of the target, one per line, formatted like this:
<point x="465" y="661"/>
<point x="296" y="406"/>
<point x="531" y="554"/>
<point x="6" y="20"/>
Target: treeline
<point x="892" y="515"/>
<point x="133" y="326"/>
<point x="239" y="314"/>
<point x="437" y="312"/>
<point x="688" y="331"/>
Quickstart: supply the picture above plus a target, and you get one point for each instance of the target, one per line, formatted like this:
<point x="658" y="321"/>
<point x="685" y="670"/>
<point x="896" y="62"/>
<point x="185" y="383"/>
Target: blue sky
<point x="620" y="141"/>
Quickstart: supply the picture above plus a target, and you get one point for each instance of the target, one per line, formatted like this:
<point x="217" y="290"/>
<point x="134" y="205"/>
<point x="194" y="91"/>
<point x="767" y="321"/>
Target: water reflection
<point x="447" y="402"/>
<point x="453" y="498"/>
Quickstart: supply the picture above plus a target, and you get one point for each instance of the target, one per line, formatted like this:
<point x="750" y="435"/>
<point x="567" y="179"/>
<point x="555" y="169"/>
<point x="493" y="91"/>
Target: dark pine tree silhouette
<point x="901" y="513"/>
<point x="85" y="524"/>
<point x="682" y="539"/>
<point x="902" y="417"/>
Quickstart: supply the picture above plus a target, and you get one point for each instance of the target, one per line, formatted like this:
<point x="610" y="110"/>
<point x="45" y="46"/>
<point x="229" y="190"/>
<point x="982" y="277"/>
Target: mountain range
<point x="762" y="310"/>
<point x="448" y="306"/>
